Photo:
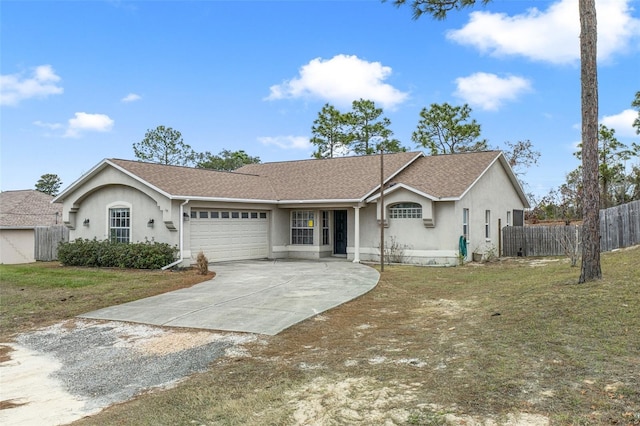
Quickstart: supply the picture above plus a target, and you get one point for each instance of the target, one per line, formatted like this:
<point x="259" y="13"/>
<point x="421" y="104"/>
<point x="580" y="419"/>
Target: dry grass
<point x="40" y="294"/>
<point x="511" y="342"/>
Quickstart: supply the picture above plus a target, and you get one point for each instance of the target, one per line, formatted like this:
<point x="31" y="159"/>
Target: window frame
<point x="117" y="233"/>
<point x="487" y="225"/>
<point x="302" y="226"/>
<point x="326" y="222"/>
<point x="405" y="210"/>
<point x="465" y="223"/>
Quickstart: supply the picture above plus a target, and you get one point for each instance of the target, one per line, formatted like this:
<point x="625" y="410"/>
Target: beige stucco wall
<point x="492" y="192"/>
<point x="419" y="244"/>
<point x="95" y="208"/>
<point x="17" y="246"/>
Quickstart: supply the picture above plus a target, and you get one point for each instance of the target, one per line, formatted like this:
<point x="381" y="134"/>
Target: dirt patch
<point x="5" y="353"/>
<point x="76" y="368"/>
<point x="358" y="400"/>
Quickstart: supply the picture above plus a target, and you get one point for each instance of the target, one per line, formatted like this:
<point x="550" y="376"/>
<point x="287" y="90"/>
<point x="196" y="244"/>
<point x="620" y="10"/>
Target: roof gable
<point x="28" y="208"/>
<point x="450" y="176"/>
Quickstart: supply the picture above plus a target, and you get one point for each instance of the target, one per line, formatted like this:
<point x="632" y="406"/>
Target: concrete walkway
<point x="263" y="297"/>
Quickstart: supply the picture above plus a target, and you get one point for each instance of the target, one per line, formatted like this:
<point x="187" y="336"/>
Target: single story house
<point x="22" y="213"/>
<point x="303" y="209"/>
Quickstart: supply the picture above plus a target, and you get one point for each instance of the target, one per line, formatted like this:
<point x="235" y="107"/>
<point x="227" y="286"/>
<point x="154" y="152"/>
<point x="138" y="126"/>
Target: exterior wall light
<point x="150" y="223"/>
<point x="86" y="222"/>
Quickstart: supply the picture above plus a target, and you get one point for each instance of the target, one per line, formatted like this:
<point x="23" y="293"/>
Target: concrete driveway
<point x="263" y="297"/>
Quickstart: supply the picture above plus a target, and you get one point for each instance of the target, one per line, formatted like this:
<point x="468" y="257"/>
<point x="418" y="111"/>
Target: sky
<point x="82" y="81"/>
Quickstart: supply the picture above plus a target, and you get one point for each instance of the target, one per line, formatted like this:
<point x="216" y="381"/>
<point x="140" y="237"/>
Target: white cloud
<point x="622" y="123"/>
<point x="489" y="91"/>
<point x="551" y="35"/>
<point x="341" y="80"/>
<point x="88" y="122"/>
<point x="286" y="142"/>
<point x="42" y="82"/>
<point x="51" y="126"/>
<point x="131" y="97"/>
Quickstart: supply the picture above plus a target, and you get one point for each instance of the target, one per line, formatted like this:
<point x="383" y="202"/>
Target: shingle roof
<point x="187" y="181"/>
<point x="446" y="176"/>
<point x="343" y="178"/>
<point x="28" y="208"/>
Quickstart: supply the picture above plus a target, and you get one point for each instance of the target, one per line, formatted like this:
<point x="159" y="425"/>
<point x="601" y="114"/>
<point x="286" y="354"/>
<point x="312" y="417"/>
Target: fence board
<point x="47" y="239"/>
<point x="619" y="227"/>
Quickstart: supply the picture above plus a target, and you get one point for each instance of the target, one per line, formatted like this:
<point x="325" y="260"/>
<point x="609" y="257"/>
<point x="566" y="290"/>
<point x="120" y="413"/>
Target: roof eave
<point x="403" y="186"/>
<point x="222" y="199"/>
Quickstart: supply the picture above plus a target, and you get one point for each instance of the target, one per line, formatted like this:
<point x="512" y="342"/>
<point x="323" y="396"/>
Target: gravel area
<point x="103" y="363"/>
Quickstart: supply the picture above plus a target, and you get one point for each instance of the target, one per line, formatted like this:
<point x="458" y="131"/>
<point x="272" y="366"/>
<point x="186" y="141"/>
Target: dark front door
<point x="340" y="232"/>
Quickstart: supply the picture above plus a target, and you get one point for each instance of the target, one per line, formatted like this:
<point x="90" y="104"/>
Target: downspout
<point x="181" y="237"/>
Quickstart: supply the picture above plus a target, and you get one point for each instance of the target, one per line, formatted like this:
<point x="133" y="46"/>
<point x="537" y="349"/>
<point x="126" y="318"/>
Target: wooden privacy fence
<point x="46" y="241"/>
<point x="619" y="227"/>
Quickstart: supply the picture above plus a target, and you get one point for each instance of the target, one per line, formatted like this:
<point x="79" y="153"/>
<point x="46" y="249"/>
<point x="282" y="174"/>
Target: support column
<point x="356" y="246"/>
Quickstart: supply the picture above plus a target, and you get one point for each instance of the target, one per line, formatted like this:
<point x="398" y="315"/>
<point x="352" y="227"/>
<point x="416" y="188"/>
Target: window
<point x="119" y="225"/>
<point x="325" y="228"/>
<point x="487" y="224"/>
<point x="301" y="227"/>
<point x="245" y="215"/>
<point x="225" y="215"/>
<point x="263" y="215"/>
<point x="405" y="211"/>
<point x="254" y="215"/>
<point x="204" y="215"/>
<point x="194" y="214"/>
<point x="508" y="218"/>
<point x="235" y="215"/>
<point x="465" y="223"/>
<point x="215" y="215"/>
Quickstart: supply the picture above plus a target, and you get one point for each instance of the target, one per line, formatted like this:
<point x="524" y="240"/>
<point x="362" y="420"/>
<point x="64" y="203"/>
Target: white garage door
<point x="229" y="234"/>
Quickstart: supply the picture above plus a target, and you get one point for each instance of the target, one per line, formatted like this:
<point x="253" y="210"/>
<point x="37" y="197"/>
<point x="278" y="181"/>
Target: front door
<point x="340" y="232"/>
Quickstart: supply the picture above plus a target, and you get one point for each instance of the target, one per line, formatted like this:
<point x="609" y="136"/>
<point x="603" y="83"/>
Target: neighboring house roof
<point x="343" y="178"/>
<point x="28" y="209"/>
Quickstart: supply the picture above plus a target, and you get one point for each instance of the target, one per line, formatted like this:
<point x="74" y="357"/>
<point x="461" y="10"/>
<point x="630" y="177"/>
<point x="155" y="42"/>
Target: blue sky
<point x="84" y="80"/>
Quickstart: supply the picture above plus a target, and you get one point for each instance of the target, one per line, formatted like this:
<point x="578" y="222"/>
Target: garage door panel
<point x="230" y="239"/>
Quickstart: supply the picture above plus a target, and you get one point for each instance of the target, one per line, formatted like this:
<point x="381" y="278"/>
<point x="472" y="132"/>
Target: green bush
<point x="96" y="253"/>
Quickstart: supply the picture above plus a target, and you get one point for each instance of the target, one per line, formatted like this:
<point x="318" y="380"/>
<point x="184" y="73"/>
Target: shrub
<point x="202" y="264"/>
<point x="96" y="253"/>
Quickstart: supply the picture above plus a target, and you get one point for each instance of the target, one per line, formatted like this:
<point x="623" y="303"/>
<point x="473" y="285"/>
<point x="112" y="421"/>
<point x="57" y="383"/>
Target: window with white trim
<point x="508" y="218"/>
<point x="405" y="211"/>
<point x="325" y="228"/>
<point x="465" y="223"/>
<point x="302" y="222"/>
<point x="487" y="224"/>
<point x="119" y="225"/>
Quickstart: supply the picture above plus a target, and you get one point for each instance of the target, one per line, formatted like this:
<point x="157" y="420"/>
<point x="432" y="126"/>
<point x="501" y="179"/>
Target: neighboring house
<point x="21" y="212"/>
<point x="302" y="209"/>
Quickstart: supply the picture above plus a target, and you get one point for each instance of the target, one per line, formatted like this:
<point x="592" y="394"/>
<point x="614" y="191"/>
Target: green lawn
<point x="39" y="294"/>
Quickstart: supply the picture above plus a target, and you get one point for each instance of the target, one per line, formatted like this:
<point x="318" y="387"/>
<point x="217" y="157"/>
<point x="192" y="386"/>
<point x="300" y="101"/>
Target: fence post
<point x="499" y="237"/>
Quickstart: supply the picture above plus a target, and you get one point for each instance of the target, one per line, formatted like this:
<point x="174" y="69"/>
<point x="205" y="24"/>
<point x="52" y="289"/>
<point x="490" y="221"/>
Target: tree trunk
<point x="590" y="270"/>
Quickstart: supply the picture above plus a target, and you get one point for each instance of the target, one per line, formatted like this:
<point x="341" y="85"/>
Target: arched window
<point x="405" y="211"/>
